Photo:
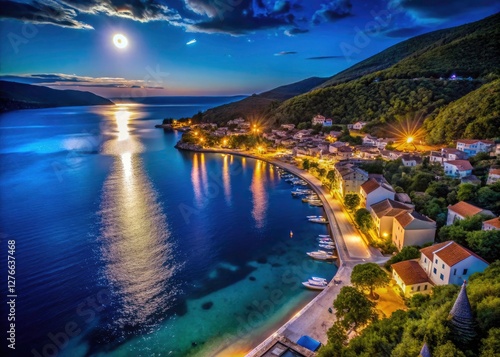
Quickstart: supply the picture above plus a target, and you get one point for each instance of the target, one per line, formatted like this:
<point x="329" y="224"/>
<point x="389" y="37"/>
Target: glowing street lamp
<point x="409" y="139"/>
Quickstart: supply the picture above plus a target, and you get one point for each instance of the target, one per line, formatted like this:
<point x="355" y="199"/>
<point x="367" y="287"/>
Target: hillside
<point x="475" y="115"/>
<point x="437" y="53"/>
<point x="260" y="104"/>
<point x="14" y="96"/>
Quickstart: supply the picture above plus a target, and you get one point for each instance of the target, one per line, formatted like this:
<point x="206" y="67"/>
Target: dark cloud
<point x="68" y="80"/>
<point x="432" y="9"/>
<point x="295" y="31"/>
<point x="285" y="53"/>
<point x="332" y="11"/>
<point x="404" y="32"/>
<point x="281" y="7"/>
<point x="48" y="12"/>
<point x="324" y="57"/>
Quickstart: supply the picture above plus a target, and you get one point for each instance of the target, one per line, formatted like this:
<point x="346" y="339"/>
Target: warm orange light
<point x="409" y="140"/>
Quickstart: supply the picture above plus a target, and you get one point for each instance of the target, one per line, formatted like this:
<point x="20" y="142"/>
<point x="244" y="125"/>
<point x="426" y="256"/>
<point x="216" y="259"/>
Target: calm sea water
<point x="127" y="247"/>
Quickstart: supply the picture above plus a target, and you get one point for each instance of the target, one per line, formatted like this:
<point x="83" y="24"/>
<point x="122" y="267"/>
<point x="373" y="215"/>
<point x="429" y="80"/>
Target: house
<point x="493" y="175"/>
<point x="457" y="168"/>
<point x="411" y="160"/>
<point x="288" y="126"/>
<point x="328" y="122"/>
<point x="403" y="198"/>
<point x="344" y="152"/>
<point x="236" y="121"/>
<point x="470" y="179"/>
<point x="369" y="140"/>
<point x="462" y="210"/>
<point x="336" y="134"/>
<point x="450" y="263"/>
<point x="350" y="177"/>
<point x="382" y="143"/>
<point x="383" y="214"/>
<point x="496" y="150"/>
<point x="368" y="152"/>
<point x="492" y="224"/>
<point x="473" y="147"/>
<point x="411" y="278"/>
<point x="334" y="146"/>
<point x="359" y="125"/>
<point x="301" y="134"/>
<point x="318" y="119"/>
<point x="453" y="154"/>
<point x="412" y="228"/>
<point x="373" y="191"/>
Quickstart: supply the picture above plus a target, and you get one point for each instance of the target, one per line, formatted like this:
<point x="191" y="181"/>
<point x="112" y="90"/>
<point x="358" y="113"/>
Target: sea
<point x="126" y="246"/>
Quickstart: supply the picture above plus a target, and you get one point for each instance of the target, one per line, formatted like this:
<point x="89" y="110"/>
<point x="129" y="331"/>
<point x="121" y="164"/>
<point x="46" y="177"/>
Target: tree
<point x="337" y="337"/>
<point x="491" y="344"/>
<point x="302" y="126"/>
<point x="467" y="192"/>
<point x="306" y="164"/>
<point x="353" y="309"/>
<point x="485" y="243"/>
<point x="364" y="219"/>
<point x="351" y="201"/>
<point x="331" y="178"/>
<point x="369" y="276"/>
<point x="406" y="253"/>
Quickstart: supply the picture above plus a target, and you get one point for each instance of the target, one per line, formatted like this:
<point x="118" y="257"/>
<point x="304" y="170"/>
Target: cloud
<point x="332" y="11"/>
<point x="236" y="26"/>
<point x="47" y="12"/>
<point x="71" y="80"/>
<point x="324" y="57"/>
<point x="285" y="53"/>
<point x="404" y="32"/>
<point x="295" y="31"/>
<point x="431" y="10"/>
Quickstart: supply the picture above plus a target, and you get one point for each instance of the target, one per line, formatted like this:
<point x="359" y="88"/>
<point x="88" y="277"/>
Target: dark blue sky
<point x="242" y="46"/>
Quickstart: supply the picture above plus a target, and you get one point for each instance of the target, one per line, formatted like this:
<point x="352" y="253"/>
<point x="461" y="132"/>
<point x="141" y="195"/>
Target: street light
<point x="409" y="139"/>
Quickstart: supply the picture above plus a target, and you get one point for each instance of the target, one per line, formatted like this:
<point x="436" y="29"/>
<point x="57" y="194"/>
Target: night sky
<point x="207" y="47"/>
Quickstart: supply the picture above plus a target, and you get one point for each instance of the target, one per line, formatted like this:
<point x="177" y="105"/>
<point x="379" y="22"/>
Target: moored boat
<point x="313" y="286"/>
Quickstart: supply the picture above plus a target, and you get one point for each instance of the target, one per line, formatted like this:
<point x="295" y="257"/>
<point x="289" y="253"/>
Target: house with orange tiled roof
<point x="462" y="210"/>
<point x="383" y="214"/>
<point x="493" y="175"/>
<point x="473" y="147"/>
<point x="411" y="278"/>
<point x="450" y="263"/>
<point x="375" y="190"/>
<point x="457" y="168"/>
<point x="492" y="224"/>
<point x="412" y="228"/>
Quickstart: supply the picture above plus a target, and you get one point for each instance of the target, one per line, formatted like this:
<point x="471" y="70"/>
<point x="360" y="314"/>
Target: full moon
<point x="120" y="41"/>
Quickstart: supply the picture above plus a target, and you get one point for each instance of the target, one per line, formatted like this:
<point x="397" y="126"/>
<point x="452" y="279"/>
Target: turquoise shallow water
<point x="138" y="249"/>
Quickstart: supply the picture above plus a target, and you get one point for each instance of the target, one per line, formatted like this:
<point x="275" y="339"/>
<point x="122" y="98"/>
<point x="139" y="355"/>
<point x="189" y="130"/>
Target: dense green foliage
<point x="353" y="309"/>
<point x="404" y="332"/>
<point x="406" y="253"/>
<point x="351" y="201"/>
<point x="474" y="116"/>
<point x="363" y="219"/>
<point x="369" y="276"/>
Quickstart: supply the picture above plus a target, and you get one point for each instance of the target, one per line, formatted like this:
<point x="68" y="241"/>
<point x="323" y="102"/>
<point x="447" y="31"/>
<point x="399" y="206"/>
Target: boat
<point x="309" y="217"/>
<point x="326" y="246"/>
<point x="319" y="220"/>
<point x="321" y="255"/>
<point x="291" y="234"/>
<point x="313" y="286"/>
<point x="316" y="204"/>
<point x="323" y="235"/>
<point x="324" y="241"/>
<point x="310" y="198"/>
<point x="315" y="278"/>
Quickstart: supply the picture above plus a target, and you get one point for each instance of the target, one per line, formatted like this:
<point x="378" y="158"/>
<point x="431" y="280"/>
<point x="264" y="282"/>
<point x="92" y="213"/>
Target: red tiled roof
<point x="494" y="172"/>
<point x="406" y="218"/>
<point x="410" y="272"/>
<point x="495" y="222"/>
<point x="429" y="251"/>
<point x="454" y="253"/>
<point x="370" y="186"/>
<point x="461" y="165"/>
<point x="389" y="207"/>
<point x="465" y="209"/>
<point x="473" y="141"/>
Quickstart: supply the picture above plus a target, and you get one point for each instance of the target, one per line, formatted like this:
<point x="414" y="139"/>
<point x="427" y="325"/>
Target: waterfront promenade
<point x="314" y="319"/>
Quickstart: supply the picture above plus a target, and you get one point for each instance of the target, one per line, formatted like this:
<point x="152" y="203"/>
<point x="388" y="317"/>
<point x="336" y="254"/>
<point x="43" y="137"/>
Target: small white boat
<point x="321" y="255"/>
<point x="322" y="235"/>
<point x="326" y="246"/>
<point x="309" y="217"/>
<point x="313" y="286"/>
<point x="315" y="278"/>
<point x="319" y="220"/>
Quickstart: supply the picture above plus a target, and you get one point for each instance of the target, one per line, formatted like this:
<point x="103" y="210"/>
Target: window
<point x="454" y="271"/>
<point x="425" y="260"/>
<point x="436" y="261"/>
<point x="425" y="287"/>
<point x="418" y="288"/>
<point x="465" y="272"/>
<point x="441" y="276"/>
<point x="442" y="266"/>
<point x="435" y="270"/>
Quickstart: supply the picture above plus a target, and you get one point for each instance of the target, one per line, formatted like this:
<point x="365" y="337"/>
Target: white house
<point x="457" y="168"/>
<point x="328" y="122"/>
<point x="450" y="263"/>
<point x="473" y="147"/>
<point x="411" y="278"/>
<point x="318" y="119"/>
<point x="383" y="214"/>
<point x="462" y="210"/>
<point x="359" y="125"/>
<point x="382" y="143"/>
<point x="333" y="147"/>
<point x="493" y="175"/>
<point x="373" y="191"/>
<point x="344" y="152"/>
<point x="492" y="224"/>
<point x="412" y="228"/>
<point x="350" y="177"/>
<point x="369" y="140"/>
<point x="288" y="126"/>
<point x="411" y="160"/>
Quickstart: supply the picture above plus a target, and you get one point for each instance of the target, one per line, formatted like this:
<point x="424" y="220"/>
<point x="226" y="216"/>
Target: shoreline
<point x="333" y="230"/>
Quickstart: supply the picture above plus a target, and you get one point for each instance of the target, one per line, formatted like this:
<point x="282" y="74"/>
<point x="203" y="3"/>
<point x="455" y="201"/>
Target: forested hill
<point x="14" y="96"/>
<point x="260" y="104"/>
<point x="466" y="50"/>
